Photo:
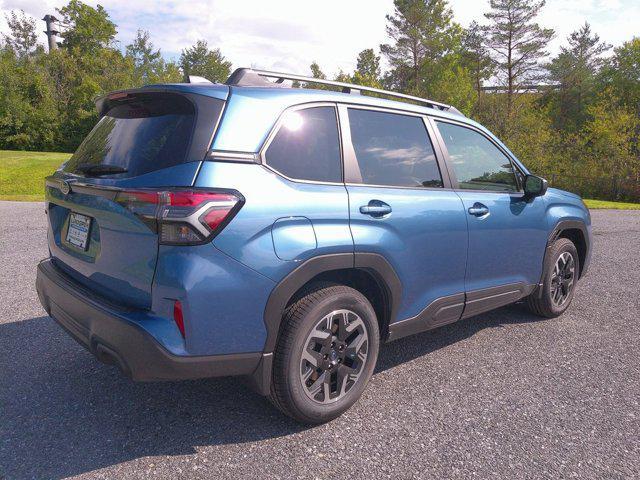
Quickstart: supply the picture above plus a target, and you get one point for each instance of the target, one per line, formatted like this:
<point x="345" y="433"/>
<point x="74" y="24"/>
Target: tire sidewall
<point x="306" y="407"/>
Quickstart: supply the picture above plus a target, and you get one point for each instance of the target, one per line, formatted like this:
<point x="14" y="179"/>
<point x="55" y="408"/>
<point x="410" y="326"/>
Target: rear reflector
<point x="177" y="316"/>
<point x="182" y="217"/>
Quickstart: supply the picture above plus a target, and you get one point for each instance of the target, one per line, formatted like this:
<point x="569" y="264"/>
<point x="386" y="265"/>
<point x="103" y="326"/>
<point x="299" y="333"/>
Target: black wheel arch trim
<point x="373" y="263"/>
<point x="377" y="265"/>
<point x="560" y="227"/>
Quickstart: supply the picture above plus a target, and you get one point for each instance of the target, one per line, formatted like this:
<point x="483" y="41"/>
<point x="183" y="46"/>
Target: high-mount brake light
<point x="182" y="217"/>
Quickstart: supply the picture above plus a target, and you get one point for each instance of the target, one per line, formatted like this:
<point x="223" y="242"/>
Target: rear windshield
<point x="136" y="136"/>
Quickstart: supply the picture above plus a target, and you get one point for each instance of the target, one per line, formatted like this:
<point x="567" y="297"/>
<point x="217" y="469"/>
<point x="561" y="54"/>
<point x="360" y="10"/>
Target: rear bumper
<point x="107" y="333"/>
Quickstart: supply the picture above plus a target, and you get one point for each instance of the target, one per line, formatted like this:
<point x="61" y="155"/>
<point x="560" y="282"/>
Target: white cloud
<point x="288" y="34"/>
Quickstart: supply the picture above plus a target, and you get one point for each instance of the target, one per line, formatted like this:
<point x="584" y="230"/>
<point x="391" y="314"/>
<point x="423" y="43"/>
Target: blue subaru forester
<point x="283" y="234"/>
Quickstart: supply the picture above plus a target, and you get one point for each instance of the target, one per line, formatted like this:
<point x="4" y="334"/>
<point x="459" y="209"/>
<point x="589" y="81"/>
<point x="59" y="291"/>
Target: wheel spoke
<point x="326" y="391"/>
<point x="570" y="264"/>
<point x="343" y="325"/>
<point x="343" y="377"/>
<point x="354" y="347"/>
<point x="320" y="336"/>
<point x="335" y="353"/>
<point x="556" y="295"/>
<point x="313" y="357"/>
<point x="307" y="375"/>
<point x="318" y="385"/>
<point x="355" y="324"/>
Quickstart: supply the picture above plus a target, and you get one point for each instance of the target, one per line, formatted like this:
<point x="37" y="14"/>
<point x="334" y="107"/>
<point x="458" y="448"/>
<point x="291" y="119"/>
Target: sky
<point x="286" y="35"/>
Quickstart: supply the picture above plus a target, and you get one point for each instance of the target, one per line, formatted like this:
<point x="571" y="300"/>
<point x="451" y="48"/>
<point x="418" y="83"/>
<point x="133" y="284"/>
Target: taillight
<point x="182" y="217"/>
<point x="142" y="204"/>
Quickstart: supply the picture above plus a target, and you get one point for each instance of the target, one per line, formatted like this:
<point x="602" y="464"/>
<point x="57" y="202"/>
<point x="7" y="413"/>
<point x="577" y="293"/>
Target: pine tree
<point x="368" y="64"/>
<point x="426" y="53"/>
<point x="145" y="58"/>
<point x="423" y="33"/>
<point x="575" y="70"/>
<point x="476" y="56"/>
<point x="316" y="72"/>
<point x="148" y="64"/>
<point x="517" y="42"/>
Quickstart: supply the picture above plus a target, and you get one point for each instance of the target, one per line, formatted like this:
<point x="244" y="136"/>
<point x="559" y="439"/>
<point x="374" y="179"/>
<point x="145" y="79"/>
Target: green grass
<point x="596" y="204"/>
<point x="22" y="173"/>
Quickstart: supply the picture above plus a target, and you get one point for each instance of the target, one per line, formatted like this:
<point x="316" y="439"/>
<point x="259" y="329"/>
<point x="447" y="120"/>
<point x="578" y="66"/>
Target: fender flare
<point x="373" y="263"/>
<point x="560" y="227"/>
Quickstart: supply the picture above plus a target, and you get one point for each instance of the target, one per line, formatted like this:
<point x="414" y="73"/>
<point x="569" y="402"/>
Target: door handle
<point x="376" y="209"/>
<point x="478" y="210"/>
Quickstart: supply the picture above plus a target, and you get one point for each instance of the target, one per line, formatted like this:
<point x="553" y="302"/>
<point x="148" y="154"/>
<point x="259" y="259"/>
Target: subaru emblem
<point x="65" y="187"/>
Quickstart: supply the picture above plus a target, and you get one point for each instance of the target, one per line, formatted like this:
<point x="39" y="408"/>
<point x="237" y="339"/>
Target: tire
<point x="545" y="301"/>
<point x="311" y="360"/>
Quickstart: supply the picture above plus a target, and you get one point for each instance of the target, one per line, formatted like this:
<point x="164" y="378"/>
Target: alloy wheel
<point x="562" y="278"/>
<point x="333" y="356"/>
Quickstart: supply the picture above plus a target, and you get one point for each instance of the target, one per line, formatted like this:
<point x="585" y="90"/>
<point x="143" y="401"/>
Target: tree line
<point x="573" y="117"/>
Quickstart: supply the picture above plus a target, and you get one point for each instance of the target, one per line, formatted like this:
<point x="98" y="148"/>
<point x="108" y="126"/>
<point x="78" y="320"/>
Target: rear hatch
<point x="103" y="204"/>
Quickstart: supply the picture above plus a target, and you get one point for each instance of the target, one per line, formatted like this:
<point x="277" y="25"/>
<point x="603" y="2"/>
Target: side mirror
<point x="534" y="186"/>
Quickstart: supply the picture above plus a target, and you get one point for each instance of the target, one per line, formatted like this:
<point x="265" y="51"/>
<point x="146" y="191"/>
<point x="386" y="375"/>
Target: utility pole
<point x="51" y="31"/>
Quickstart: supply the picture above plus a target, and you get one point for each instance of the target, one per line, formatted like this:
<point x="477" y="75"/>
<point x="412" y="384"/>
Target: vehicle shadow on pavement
<point x="409" y="348"/>
<point x="62" y="413"/>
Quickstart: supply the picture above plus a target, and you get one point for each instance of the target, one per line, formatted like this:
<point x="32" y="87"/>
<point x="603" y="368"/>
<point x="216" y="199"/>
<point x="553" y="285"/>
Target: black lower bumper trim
<point x="114" y="339"/>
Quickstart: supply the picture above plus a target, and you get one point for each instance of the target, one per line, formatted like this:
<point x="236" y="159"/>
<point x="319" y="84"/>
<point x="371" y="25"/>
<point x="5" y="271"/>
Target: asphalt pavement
<point x="501" y="395"/>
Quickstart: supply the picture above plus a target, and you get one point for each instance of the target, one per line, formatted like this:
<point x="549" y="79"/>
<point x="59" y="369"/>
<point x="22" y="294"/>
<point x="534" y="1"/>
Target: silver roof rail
<point x="249" y="77"/>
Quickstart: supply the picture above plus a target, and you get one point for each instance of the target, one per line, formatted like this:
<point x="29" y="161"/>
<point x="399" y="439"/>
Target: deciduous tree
<point x="22" y="37"/>
<point x="85" y="28"/>
<point x="623" y="73"/>
<point x="201" y="61"/>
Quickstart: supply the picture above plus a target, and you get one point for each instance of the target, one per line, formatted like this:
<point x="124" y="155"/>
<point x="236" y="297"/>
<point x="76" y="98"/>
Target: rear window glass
<point x="147" y="133"/>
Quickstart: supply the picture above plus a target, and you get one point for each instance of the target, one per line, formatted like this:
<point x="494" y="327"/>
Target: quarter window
<point x="477" y="162"/>
<point x="307" y="145"/>
<point x="393" y="149"/>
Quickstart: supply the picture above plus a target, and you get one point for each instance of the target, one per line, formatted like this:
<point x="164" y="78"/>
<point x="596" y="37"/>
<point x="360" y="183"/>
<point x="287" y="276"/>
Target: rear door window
<point x="307" y="146"/>
<point x="476" y="161"/>
<point x="393" y="149"/>
<point x="137" y="136"/>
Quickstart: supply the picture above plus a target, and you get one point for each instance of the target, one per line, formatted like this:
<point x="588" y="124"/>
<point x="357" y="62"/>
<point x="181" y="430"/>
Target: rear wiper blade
<point x="100" y="169"/>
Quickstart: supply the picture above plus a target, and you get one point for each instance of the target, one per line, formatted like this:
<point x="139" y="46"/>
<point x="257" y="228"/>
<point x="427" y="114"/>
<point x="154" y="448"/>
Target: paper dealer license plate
<point x="78" y="233"/>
